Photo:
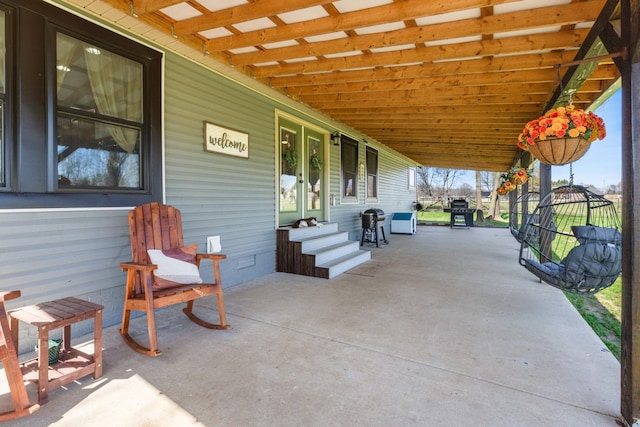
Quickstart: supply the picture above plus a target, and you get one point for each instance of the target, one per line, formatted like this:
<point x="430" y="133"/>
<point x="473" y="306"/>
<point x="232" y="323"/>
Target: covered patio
<point x="439" y="328"/>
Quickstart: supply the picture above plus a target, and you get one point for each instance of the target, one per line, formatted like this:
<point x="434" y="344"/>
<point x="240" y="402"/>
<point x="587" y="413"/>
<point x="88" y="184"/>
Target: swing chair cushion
<point x="591" y="250"/>
<point x="549" y="269"/>
<point x="593" y="264"/>
<point x="591" y="233"/>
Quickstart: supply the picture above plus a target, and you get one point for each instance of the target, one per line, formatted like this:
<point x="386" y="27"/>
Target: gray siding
<point x="54" y="254"/>
<point x="221" y="195"/>
<point x="49" y="254"/>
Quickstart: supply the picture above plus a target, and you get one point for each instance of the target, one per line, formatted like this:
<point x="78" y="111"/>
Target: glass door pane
<point x="302" y="172"/>
<point x="290" y="146"/>
<point x="315" y="162"/>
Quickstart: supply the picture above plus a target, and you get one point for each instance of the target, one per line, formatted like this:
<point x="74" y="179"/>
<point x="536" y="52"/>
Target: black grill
<point x="373" y="227"/>
<point x="459" y="204"/>
<point x="460" y="211"/>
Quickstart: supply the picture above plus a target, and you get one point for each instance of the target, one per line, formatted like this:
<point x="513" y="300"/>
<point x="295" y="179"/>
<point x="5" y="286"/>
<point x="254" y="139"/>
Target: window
<point x="372" y="173"/>
<point x="349" y="162"/>
<point x="89" y="132"/>
<point x="99" y="116"/>
<point x="3" y="95"/>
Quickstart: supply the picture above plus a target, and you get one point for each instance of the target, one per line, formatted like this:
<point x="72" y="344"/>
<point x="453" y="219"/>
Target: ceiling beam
<point x="526" y="88"/>
<point x="399" y="11"/>
<point x="515" y="21"/>
<point x="380" y="120"/>
<point x="598" y="27"/>
<point x="462" y="80"/>
<point x="444" y="92"/>
<point x="245" y="12"/>
<point x="439" y="109"/>
<point x="482" y="65"/>
<point x="510" y="45"/>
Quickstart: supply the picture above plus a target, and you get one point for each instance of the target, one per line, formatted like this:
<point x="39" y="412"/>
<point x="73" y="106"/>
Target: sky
<point x="601" y="166"/>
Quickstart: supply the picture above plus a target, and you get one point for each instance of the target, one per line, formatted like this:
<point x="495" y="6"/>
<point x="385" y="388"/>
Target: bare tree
<point x="465" y="190"/>
<point x="614" y="188"/>
<point x="486" y="179"/>
<point x="439" y="182"/>
<point x="448" y="178"/>
<point x="494" y="204"/>
<point x="114" y="169"/>
<point x="425" y="181"/>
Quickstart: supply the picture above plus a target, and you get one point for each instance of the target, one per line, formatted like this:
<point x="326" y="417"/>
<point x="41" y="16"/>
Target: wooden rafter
<point x="398" y="11"/>
<point x="409" y="72"/>
<point x="512" y="45"/>
<point x="465" y="28"/>
<point x="247" y="12"/>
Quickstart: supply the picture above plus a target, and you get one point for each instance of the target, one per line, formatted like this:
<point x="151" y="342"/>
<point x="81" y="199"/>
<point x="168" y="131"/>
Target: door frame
<point x="326" y="136"/>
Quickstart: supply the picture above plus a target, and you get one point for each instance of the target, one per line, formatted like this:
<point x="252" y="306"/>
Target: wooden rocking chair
<point x="9" y="358"/>
<point x="158" y="226"/>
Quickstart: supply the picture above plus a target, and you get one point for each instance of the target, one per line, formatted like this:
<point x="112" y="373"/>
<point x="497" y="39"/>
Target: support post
<point x="630" y="354"/>
<point x="546" y="214"/>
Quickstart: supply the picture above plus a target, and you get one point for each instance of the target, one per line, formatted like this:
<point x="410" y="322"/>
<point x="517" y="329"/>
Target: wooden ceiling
<point x="448" y="83"/>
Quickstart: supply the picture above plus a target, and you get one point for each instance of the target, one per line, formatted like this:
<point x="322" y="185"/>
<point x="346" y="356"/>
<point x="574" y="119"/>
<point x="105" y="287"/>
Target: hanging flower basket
<point x="518" y="176"/>
<point x="562" y="135"/>
<point x="512" y="178"/>
<point x="559" y="151"/>
<point x="501" y="190"/>
<point x="506" y="187"/>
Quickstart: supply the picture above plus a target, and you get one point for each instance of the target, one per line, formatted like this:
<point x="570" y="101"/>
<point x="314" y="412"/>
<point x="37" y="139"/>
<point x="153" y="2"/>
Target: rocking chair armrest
<point x="212" y="257"/>
<point x="9" y="295"/>
<point x="137" y="266"/>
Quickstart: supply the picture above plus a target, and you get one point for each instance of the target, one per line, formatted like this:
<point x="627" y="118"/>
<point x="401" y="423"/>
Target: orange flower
<point x="509" y="186"/>
<point x="563" y="122"/>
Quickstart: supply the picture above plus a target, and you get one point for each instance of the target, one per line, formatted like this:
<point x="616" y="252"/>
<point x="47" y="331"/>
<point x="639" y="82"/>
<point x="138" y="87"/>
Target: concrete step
<point x="328" y="253"/>
<point x="321" y="251"/>
<point x="320" y="241"/>
<point x="339" y="265"/>
<point x="297" y="234"/>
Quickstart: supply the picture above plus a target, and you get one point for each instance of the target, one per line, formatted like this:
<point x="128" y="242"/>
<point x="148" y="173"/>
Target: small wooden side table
<point x="73" y="364"/>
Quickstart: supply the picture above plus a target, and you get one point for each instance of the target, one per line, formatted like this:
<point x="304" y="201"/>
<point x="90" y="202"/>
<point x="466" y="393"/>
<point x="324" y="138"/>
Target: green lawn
<point x="602" y="312"/>
<point x="438" y="217"/>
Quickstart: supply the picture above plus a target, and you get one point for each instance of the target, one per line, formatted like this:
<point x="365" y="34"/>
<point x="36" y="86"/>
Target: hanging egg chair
<point x="572" y="240"/>
<point x="521" y="212"/>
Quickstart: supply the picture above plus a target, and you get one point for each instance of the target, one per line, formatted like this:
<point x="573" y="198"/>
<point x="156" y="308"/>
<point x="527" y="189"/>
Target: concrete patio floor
<point x="442" y="328"/>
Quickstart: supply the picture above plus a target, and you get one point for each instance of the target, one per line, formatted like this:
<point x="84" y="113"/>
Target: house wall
<point x="394" y="193"/>
<point x="54" y="253"/>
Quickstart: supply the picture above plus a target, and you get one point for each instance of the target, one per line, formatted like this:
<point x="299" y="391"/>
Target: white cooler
<point x="403" y="223"/>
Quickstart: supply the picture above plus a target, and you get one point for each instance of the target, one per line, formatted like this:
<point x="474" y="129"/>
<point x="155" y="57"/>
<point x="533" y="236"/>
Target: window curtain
<point x="116" y="83"/>
<point x="66" y="49"/>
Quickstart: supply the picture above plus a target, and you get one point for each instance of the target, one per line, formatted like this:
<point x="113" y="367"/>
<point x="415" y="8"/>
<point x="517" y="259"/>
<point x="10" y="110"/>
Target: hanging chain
<point x="570" y="102"/>
<point x="571" y="174"/>
<point x="569" y="93"/>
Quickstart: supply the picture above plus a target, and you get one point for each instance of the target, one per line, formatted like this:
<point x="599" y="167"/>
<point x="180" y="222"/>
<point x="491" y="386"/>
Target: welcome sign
<point x="218" y="139"/>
